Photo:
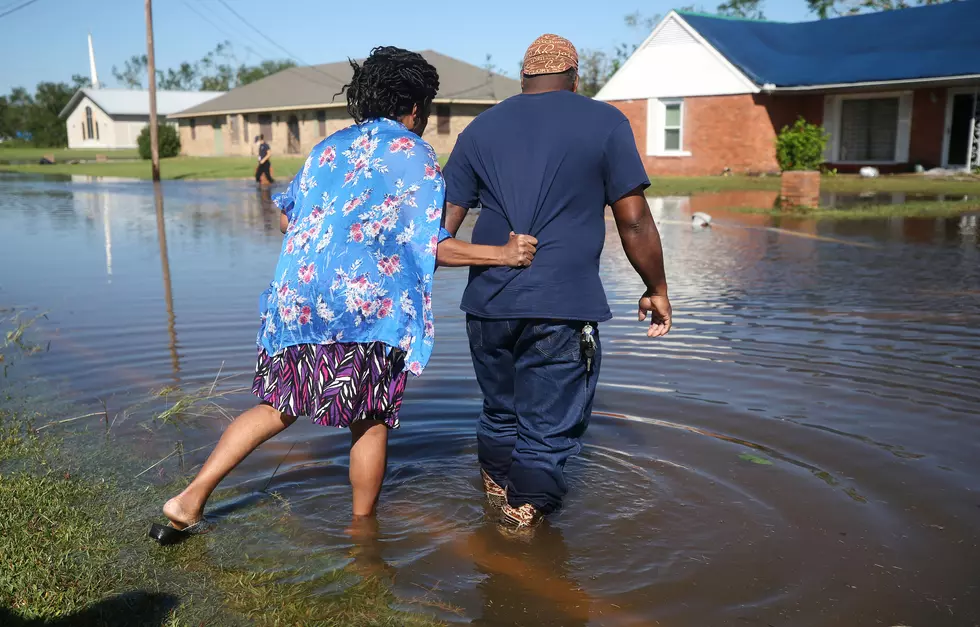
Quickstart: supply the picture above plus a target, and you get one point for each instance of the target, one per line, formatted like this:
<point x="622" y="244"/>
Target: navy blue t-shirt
<point x="546" y="165"/>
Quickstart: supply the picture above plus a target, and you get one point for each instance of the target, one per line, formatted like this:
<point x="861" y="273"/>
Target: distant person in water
<point x="348" y="314"/>
<point x="546" y="162"/>
<point x="264" y="168"/>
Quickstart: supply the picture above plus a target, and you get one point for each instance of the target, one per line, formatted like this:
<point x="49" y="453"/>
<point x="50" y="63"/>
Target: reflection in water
<point x="107" y="228"/>
<point x="801" y="450"/>
<point x="526" y="580"/>
<point x="168" y="294"/>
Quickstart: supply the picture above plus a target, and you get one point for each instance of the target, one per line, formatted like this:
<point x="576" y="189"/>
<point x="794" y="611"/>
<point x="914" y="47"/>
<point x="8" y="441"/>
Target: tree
<point x="133" y="72"/>
<point x="249" y="74"/>
<point x="830" y="8"/>
<point x="594" y="69"/>
<point x="43" y="121"/>
<point x="218" y="70"/>
<point x="750" y="9"/>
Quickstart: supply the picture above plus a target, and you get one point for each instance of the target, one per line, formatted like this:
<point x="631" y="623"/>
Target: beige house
<point x="296" y="108"/>
<point x="112" y="119"/>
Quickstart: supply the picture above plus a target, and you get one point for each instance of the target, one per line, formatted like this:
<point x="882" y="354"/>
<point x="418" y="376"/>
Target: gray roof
<point x="316" y="86"/>
<point x="137" y="101"/>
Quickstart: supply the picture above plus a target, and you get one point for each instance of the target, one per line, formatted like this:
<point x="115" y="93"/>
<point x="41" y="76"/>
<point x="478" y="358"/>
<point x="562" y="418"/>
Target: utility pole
<point x="151" y="70"/>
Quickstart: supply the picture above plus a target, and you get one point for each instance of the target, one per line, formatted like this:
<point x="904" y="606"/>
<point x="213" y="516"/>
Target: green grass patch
<point x="921" y="209"/>
<point x="190" y="168"/>
<point x="30" y="153"/>
<point x="73" y="549"/>
<point x="912" y="184"/>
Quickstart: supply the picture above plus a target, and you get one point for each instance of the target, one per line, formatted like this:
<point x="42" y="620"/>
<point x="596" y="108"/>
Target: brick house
<point x="893" y="89"/>
<point x="298" y="107"/>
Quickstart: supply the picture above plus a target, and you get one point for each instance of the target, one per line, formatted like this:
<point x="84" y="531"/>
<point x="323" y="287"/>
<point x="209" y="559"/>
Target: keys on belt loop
<point x="588" y="346"/>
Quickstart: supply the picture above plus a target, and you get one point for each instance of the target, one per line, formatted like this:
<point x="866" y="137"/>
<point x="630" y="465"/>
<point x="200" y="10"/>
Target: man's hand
<point x="660" y="313"/>
<point x="519" y="251"/>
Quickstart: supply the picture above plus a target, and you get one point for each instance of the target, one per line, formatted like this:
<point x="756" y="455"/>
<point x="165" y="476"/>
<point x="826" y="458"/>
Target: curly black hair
<point x="389" y="84"/>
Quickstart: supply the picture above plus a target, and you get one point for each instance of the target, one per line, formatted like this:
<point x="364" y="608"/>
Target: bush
<point x="167" y="138"/>
<point x="801" y="146"/>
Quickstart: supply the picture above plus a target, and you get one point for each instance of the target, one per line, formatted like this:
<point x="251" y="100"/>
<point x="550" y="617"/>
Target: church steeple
<point x="94" y="75"/>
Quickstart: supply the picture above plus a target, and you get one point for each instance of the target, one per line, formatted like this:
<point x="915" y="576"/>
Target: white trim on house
<point x="832" y="123"/>
<point x="675" y="61"/>
<point x="896" y="83"/>
<point x="657" y="128"/>
<point x="948" y="123"/>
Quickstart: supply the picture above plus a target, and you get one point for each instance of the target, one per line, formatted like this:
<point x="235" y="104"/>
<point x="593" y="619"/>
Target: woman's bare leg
<point x="368" y="460"/>
<point x="242" y="436"/>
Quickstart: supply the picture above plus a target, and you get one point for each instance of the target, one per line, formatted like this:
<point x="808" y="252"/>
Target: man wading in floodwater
<point x="264" y="168"/>
<point x="546" y="163"/>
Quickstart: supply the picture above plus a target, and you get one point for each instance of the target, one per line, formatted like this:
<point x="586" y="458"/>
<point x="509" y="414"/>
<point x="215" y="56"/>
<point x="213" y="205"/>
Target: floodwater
<point x="803" y="449"/>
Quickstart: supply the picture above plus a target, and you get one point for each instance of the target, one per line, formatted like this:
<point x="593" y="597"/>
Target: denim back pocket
<point x="558" y="341"/>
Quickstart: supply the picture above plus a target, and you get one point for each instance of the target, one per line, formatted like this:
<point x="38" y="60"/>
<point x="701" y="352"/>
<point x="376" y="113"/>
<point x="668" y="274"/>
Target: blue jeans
<point x="538" y="397"/>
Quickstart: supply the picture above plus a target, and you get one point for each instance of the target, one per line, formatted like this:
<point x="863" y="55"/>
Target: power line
<point x="222" y="30"/>
<point x="17" y="8"/>
<point x="276" y="44"/>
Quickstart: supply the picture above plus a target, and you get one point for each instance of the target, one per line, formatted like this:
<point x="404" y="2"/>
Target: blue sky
<point x="47" y="40"/>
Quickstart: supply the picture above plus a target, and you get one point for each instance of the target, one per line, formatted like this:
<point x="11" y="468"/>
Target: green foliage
<point x="34" y="118"/>
<point x="167" y="138"/>
<point x="832" y="8"/>
<point x="749" y="9"/>
<point x="215" y="71"/>
<point x="801" y="146"/>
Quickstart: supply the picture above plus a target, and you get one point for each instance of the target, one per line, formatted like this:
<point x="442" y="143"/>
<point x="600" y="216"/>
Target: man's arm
<point x="516" y="253"/>
<point x="641" y="241"/>
<point x="453" y="217"/>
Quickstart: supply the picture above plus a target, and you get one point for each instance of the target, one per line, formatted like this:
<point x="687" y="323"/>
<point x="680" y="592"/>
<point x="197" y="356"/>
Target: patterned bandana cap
<point x="550" y="54"/>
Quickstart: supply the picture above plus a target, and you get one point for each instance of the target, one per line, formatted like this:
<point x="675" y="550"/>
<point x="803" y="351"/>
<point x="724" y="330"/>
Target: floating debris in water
<point x="755" y="459"/>
<point x="700" y="220"/>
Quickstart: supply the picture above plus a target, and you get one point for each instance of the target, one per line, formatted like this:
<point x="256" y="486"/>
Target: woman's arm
<point x="516" y="253"/>
<point x="283" y="222"/>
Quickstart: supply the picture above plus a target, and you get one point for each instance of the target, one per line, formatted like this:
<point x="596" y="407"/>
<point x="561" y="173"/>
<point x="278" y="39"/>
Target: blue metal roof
<point x="922" y="42"/>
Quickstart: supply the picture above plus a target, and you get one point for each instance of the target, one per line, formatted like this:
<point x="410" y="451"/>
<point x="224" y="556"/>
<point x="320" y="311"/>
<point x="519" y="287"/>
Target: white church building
<point x="112" y="119"/>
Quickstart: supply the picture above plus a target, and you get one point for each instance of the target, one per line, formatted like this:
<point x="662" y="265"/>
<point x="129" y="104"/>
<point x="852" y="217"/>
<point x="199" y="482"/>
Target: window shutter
<point x="831" y="107"/>
<point x="904" y="128"/>
<point x="655" y="127"/>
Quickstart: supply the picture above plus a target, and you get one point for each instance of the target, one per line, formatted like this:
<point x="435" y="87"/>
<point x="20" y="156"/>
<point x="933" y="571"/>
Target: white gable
<point x="675" y="62"/>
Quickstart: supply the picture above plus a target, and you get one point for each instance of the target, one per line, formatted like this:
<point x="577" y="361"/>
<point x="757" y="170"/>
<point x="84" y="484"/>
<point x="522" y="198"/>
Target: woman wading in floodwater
<point x="349" y="312"/>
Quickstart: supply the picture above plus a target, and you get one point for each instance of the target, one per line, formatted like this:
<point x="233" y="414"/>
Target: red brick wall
<point x="721" y="132"/>
<point x="739" y="132"/>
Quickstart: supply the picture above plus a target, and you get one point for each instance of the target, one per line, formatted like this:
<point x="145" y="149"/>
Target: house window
<point x="233" y="125"/>
<point x="869" y="129"/>
<point x="96" y="130"/>
<point x="245" y="129"/>
<point x="443" y="117"/>
<point x="83" y="132"/>
<point x="88" y="122"/>
<point x="665" y="128"/>
<point x="321" y="118"/>
<point x="193" y="125"/>
<point x="672" y="126"/>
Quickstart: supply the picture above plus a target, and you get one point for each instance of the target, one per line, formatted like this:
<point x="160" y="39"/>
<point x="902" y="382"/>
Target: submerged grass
<point x="920" y="209"/>
<point x="25" y="153"/>
<point x="74" y="551"/>
<point x="190" y="168"/>
<point x="960" y="185"/>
